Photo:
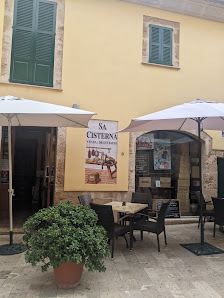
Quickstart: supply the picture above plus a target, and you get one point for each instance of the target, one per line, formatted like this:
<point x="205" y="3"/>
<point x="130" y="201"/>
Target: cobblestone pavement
<point x="175" y="272"/>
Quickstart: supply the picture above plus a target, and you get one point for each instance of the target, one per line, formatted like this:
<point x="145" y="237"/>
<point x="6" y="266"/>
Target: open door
<point x="49" y="168"/>
<point x="4" y="174"/>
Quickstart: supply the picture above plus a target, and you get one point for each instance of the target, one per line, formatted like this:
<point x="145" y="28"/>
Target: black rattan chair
<point x="157" y="226"/>
<point x="219" y="213"/>
<point x="85" y="200"/>
<point x="106" y="219"/>
<point x="206" y="212"/>
<point x="142" y="198"/>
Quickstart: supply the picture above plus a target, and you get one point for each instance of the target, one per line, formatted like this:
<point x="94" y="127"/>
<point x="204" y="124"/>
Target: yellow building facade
<point x="103" y="70"/>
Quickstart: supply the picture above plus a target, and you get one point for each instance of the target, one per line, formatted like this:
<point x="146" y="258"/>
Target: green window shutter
<point x="44" y="43"/>
<point x="166" y="52"/>
<point x="154" y="44"/>
<point x="32" y="58"/>
<point x="21" y="56"/>
<point x="160" y="45"/>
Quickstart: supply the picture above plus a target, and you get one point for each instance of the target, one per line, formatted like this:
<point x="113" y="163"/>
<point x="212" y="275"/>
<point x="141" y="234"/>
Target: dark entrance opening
<point x="167" y="168"/>
<point x="33" y="161"/>
<point x="220" y="162"/>
<point x="25" y="167"/>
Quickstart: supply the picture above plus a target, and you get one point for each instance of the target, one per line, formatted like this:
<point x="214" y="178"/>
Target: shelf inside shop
<point x="159" y="174"/>
<point x="154" y="187"/>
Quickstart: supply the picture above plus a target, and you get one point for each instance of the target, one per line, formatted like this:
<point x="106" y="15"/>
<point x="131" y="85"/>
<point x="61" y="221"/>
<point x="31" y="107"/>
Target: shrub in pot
<point x="65" y="236"/>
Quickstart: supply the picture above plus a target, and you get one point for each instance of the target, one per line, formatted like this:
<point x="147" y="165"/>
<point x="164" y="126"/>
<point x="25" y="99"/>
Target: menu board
<point x="142" y="163"/>
<point x="173" y="211"/>
<point x="5" y="158"/>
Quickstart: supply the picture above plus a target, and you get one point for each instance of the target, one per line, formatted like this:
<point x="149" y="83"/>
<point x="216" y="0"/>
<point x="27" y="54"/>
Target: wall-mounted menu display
<point x="142" y="163"/>
<point x="5" y="158"/>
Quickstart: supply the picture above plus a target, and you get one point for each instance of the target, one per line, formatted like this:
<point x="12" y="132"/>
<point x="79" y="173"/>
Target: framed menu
<point x="142" y="163"/>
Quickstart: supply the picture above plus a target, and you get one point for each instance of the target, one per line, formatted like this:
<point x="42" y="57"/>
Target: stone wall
<point x="209" y="171"/>
<point x="209" y="167"/>
<point x="206" y="9"/>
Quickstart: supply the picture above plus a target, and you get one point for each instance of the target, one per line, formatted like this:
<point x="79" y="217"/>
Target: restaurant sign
<point x="101" y="152"/>
<point x="145" y="142"/>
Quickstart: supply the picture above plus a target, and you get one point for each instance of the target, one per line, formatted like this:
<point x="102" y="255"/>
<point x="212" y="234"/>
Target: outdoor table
<point x="130" y="209"/>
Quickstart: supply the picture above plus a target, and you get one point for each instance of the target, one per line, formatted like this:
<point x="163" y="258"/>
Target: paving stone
<point x="175" y="272"/>
<point x="4" y="274"/>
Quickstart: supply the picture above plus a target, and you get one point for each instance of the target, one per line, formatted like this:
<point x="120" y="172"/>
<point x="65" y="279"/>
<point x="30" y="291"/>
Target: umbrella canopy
<point x="24" y="112"/>
<point x="198" y="114"/>
<point x="182" y="117"/>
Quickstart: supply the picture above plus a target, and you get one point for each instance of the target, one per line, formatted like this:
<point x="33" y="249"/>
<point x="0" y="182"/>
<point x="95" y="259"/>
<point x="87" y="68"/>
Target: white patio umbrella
<point x="23" y="112"/>
<point x="195" y="115"/>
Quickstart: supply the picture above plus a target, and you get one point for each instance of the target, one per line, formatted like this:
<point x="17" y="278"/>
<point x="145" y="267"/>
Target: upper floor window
<point x="160" y="42"/>
<point x="160" y="45"/>
<point x="33" y="42"/>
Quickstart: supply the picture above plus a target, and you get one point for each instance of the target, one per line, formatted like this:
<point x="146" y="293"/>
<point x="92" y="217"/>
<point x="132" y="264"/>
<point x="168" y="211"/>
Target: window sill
<point x="160" y="65"/>
<point x="32" y="86"/>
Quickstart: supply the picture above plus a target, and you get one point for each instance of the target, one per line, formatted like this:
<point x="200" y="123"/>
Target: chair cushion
<point x="209" y="213"/>
<point x="152" y="213"/>
<point x="136" y="217"/>
<point x="145" y="225"/>
<point x="120" y="229"/>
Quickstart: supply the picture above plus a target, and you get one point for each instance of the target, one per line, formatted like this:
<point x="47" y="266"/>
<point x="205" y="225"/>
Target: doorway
<point x="167" y="167"/>
<point x="33" y="161"/>
<point x="24" y="175"/>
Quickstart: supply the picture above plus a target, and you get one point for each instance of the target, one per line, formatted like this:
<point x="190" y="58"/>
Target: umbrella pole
<point x="11" y="191"/>
<point x="200" y="177"/>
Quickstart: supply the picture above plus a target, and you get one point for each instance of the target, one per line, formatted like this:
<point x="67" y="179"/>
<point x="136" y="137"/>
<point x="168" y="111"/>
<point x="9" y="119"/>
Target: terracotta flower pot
<point x="68" y="275"/>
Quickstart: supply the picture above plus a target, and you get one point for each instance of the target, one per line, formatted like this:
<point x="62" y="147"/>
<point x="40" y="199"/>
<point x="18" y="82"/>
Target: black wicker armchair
<point x="106" y="219"/>
<point x="219" y="213"/>
<point x="156" y="226"/>
<point x="206" y="212"/>
<point x="142" y="198"/>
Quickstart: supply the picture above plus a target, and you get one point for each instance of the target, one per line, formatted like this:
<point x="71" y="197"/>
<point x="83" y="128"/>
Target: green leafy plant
<point x="56" y="235"/>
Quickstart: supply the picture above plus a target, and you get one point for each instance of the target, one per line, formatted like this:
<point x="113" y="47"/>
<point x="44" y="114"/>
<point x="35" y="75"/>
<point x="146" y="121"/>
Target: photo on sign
<point x="162" y="155"/>
<point x="101" y="152"/>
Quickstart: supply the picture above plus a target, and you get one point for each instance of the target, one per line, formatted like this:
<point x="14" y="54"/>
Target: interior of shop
<point x="167" y="167"/>
<point x="33" y="162"/>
